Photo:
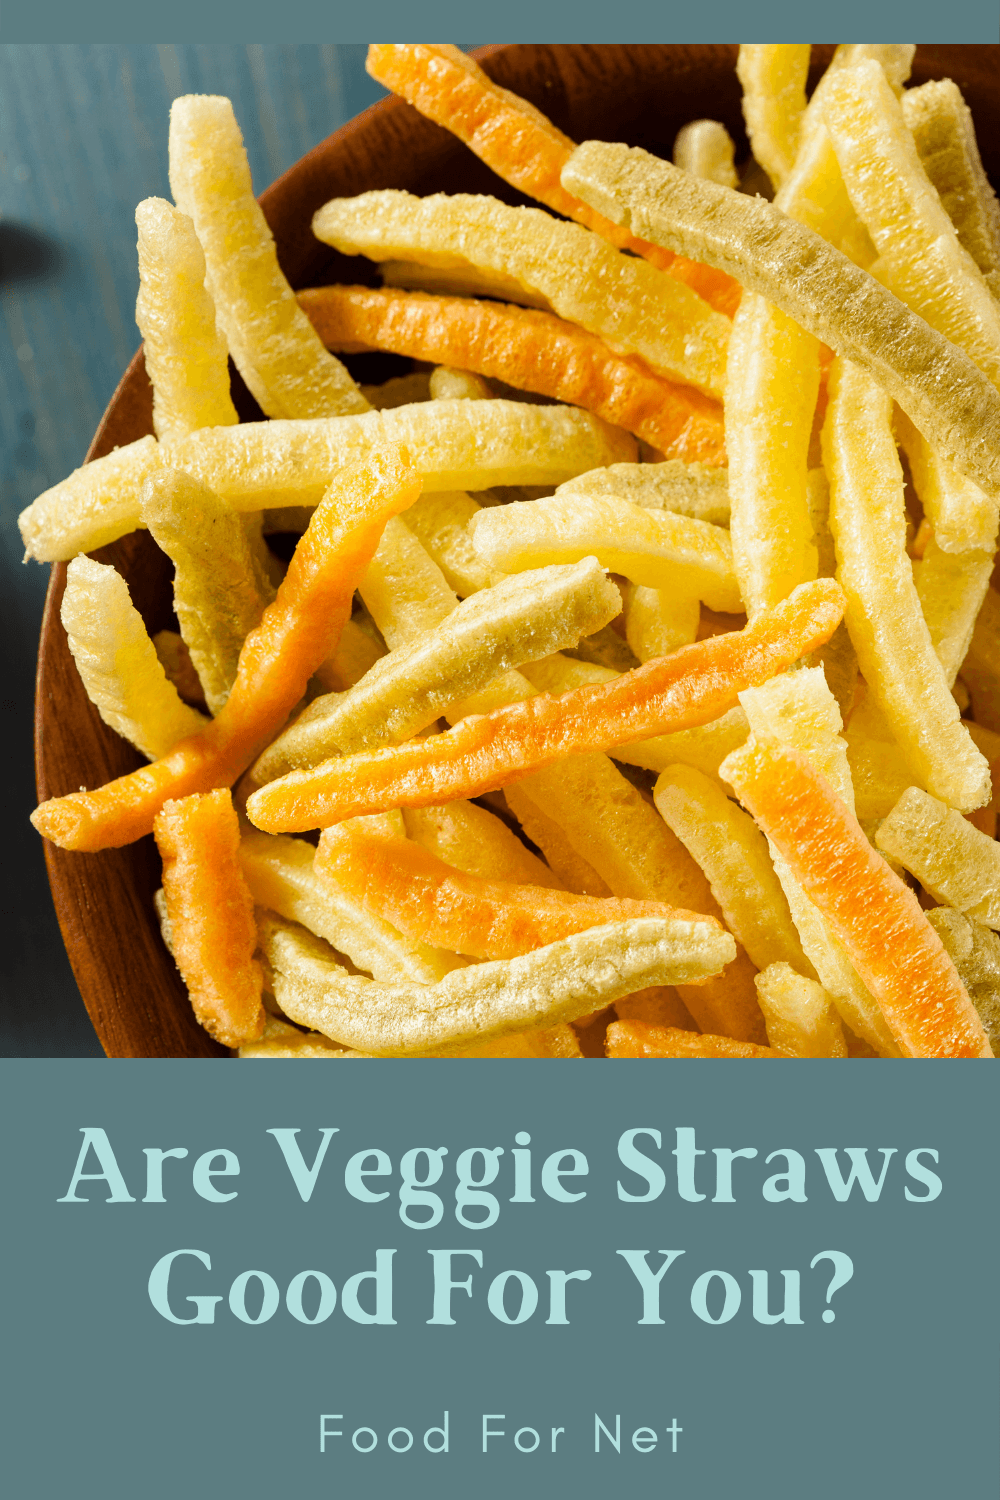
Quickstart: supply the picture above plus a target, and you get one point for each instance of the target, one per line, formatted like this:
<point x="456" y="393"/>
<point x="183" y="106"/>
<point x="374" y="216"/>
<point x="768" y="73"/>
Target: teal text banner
<point x="505" y="1278"/>
<point x="311" y="21"/>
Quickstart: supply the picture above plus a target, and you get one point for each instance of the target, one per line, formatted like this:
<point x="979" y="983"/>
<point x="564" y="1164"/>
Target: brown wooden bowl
<point x="638" y="94"/>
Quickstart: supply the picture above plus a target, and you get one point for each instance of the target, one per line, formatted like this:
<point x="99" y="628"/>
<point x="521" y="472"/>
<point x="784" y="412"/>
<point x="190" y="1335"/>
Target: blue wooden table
<point x="83" y="137"/>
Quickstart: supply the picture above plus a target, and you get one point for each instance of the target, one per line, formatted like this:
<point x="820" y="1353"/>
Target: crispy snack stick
<point x="118" y="663"/>
<point x="448" y="384"/>
<point x="640" y="1039"/>
<point x="694" y="686"/>
<point x="704" y="748"/>
<point x="954" y="862"/>
<point x="887" y="629"/>
<point x="403" y="590"/>
<point x="573" y="870"/>
<point x="407" y="594"/>
<point x="460" y="279"/>
<point x="436" y="670"/>
<point x="289" y="1041"/>
<point x="658" y="548"/>
<point x="432" y="902"/>
<point x="894" y="58"/>
<point x="453" y="445"/>
<point x="873" y="914"/>
<point x="596" y="829"/>
<point x="525" y="348"/>
<point x="570" y="978"/>
<point x="705" y="149"/>
<point x="272" y="344"/>
<point x="552" y="1041"/>
<point x="698" y="490"/>
<point x="774" y="364"/>
<point x="614" y="829"/>
<point x="732" y="852"/>
<point x="282" y="1040"/>
<point x="774" y="101"/>
<point x="413" y="685"/>
<point x="186" y="354"/>
<point x="814" y="191"/>
<point x="211" y="914"/>
<point x="881" y="786"/>
<point x="947" y="397"/>
<point x="944" y="135"/>
<point x="657" y="621"/>
<point x="520" y="144"/>
<point x="219" y="596"/>
<point x="798" y="710"/>
<point x="802" y="1020"/>
<point x="295" y="634"/>
<point x="963" y="518"/>
<point x="975" y="952"/>
<point x="478" y="842"/>
<point x="281" y="875"/>
<point x="94" y="505"/>
<point x="555" y="1041"/>
<point x="880" y="775"/>
<point x="837" y="657"/>
<point x="441" y="524"/>
<point x="607" y="820"/>
<point x="951" y="587"/>
<point x="771" y="388"/>
<point x="626" y="302"/>
<point x="920" y="258"/>
<point x="878" y="772"/>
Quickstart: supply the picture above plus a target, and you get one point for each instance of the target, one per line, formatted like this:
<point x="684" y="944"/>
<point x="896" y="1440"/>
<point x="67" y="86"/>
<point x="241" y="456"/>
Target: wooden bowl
<point x="638" y="94"/>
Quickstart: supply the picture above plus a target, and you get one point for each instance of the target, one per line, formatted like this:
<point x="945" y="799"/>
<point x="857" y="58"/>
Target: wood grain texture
<point x="641" y="95"/>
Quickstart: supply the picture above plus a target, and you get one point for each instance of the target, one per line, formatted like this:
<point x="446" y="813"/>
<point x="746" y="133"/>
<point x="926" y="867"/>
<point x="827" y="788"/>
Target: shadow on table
<point x="27" y="255"/>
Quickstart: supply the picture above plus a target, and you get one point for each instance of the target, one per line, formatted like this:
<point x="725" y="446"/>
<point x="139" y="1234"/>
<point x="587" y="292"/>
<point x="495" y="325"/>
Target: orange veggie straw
<point x="522" y="146"/>
<point x="869" y="909"/>
<point x="640" y="1039"/>
<point x="211" y="914"/>
<point x="298" y="630"/>
<point x="486" y="751"/>
<point x="434" y="903"/>
<point x="532" y="350"/>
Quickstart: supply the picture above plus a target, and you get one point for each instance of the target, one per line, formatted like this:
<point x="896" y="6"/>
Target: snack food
<point x="526" y="348"/>
<point x="561" y="981"/>
<point x="209" y="914"/>
<point x="621" y="299"/>
<point x="939" y="387"/>
<point x="871" y="911"/>
<point x="296" y="633"/>
<point x="520" y="144"/>
<point x="426" y="899"/>
<point x="664" y="535"/>
<point x="484" y="751"/>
